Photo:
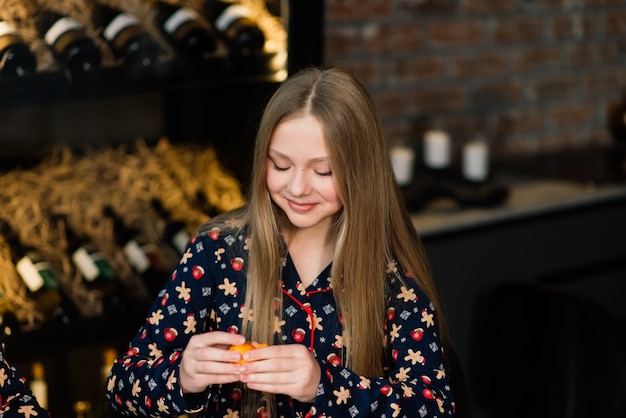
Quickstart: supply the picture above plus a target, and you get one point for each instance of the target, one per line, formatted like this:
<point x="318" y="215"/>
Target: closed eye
<point x="278" y="168"/>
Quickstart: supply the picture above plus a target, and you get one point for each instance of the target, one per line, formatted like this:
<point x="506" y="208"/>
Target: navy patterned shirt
<point x="206" y="292"/>
<point x="16" y="399"/>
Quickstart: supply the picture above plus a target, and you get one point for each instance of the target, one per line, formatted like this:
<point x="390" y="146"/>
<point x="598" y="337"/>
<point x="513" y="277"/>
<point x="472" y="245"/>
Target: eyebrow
<point x="312" y="160"/>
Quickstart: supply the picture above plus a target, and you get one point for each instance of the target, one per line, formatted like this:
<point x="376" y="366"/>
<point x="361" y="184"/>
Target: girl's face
<point x="299" y="177"/>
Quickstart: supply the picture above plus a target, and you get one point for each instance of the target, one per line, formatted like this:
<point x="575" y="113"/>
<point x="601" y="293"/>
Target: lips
<point x="300" y="207"/>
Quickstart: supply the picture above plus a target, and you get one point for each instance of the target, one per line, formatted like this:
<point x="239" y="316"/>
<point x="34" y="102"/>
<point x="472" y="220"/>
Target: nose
<point x="298" y="183"/>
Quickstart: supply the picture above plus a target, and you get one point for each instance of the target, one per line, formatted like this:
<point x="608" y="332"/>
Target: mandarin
<point x="245" y="347"/>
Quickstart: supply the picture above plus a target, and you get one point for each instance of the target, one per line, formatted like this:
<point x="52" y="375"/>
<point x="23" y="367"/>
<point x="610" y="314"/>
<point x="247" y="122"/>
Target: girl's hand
<point x="286" y="369"/>
<point x="206" y="361"/>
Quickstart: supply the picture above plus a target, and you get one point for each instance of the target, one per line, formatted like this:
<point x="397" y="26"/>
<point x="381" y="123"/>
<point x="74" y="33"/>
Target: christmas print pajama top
<point x="206" y="292"/>
<point x="16" y="399"/>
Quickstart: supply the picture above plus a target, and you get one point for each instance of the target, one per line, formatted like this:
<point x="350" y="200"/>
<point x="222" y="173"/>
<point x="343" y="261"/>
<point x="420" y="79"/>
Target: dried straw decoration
<point x="78" y="186"/>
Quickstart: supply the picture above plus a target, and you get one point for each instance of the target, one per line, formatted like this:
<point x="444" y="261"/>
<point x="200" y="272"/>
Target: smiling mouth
<point x="300" y="207"/>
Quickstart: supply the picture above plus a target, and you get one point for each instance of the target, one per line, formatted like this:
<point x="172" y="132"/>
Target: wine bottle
<point x="131" y="44"/>
<point x="16" y="58"/>
<point x="142" y="255"/>
<point x="174" y="233"/>
<point x="41" y="281"/>
<point x="38" y="384"/>
<point x="96" y="270"/>
<point x="186" y="30"/>
<point x="69" y="42"/>
<point x="236" y="26"/>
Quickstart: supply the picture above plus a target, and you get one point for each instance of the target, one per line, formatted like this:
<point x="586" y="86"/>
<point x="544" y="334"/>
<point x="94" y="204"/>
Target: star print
<point x="415" y="357"/>
<point x="403" y="373"/>
<point x="28" y="411"/>
<point x="228" y="287"/>
<point x="185" y="257"/>
<point x="190" y="324"/>
<point x="156" y="317"/>
<point x="395" y="331"/>
<point x="183" y="292"/>
<point x="407" y="294"/>
<point x="342" y="395"/>
<point x="427" y="318"/>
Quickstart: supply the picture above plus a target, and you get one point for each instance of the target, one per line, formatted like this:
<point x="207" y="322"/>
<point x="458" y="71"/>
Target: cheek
<point x="330" y="193"/>
<point x="272" y="182"/>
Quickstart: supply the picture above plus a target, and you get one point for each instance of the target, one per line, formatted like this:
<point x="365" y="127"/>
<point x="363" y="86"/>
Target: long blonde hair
<point x="373" y="228"/>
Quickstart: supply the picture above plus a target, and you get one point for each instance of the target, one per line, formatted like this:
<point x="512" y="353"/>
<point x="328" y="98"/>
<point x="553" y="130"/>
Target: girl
<point x="322" y="264"/>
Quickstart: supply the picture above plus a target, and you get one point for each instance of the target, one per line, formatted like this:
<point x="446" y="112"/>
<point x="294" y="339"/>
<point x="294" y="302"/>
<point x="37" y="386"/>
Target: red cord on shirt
<point x="309" y="311"/>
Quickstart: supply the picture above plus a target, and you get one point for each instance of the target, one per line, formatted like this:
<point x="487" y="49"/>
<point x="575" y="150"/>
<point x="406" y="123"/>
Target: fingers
<point x="206" y="360"/>
<point x="216" y="338"/>
<point x="278" y="352"/>
<point x="287" y="369"/>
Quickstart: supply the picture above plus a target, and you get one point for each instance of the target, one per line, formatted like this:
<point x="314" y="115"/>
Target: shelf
<point x="110" y="328"/>
<point x="51" y="87"/>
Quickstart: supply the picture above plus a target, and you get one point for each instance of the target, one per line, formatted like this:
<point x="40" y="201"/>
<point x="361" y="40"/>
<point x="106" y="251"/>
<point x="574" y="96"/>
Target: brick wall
<point x="531" y="75"/>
